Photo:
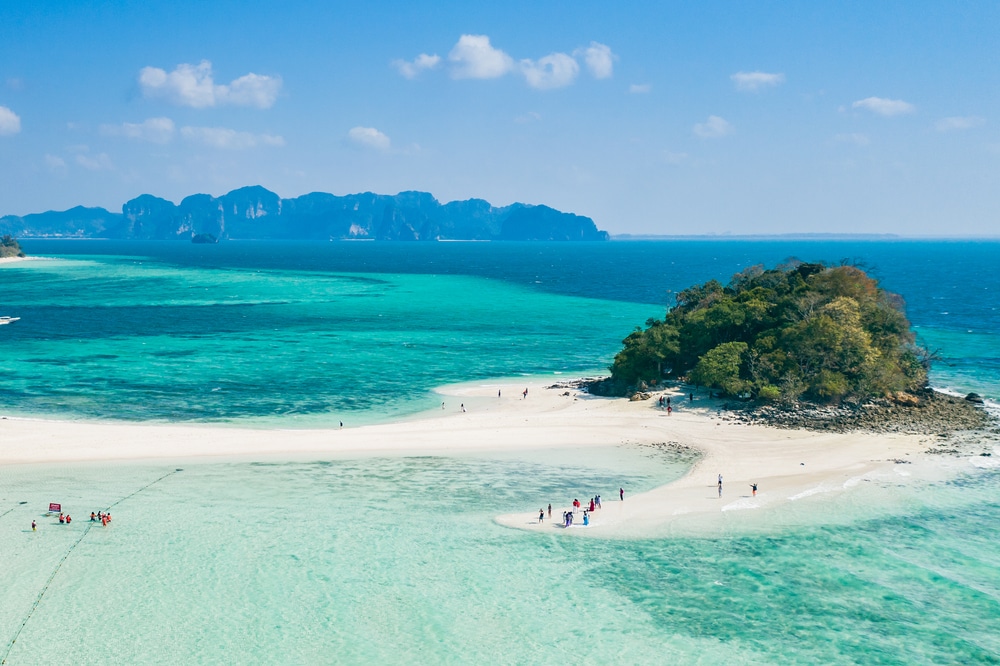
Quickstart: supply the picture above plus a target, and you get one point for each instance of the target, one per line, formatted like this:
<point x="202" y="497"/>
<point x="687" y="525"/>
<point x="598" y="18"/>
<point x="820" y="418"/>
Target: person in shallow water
<point x="34" y="527"/>
<point x="541" y="515"/>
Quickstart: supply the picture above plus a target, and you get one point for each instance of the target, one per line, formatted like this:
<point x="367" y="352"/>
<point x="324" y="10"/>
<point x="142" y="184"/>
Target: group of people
<point x="567" y="516"/>
<point x="66" y="519"/>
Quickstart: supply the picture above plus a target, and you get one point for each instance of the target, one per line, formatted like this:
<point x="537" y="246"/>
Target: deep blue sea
<point x="398" y="559"/>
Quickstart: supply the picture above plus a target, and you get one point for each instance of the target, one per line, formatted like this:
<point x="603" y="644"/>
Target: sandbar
<point x="786" y="464"/>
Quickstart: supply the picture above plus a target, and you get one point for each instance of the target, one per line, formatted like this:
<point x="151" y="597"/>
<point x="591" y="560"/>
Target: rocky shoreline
<point x="926" y="412"/>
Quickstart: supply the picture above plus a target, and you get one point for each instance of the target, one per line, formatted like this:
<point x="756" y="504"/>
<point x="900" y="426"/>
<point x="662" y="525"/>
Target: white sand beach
<point x="786" y="464"/>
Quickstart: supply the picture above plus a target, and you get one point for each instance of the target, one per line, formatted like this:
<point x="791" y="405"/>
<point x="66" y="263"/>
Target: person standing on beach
<point x="541" y="515"/>
<point x="753" y="489"/>
<point x="463" y="407"/>
<point x="34" y="526"/>
<point x="621" y="494"/>
<point x="525" y="394"/>
<point x="720" y="485"/>
<point x="498" y="392"/>
<point x="550" y="512"/>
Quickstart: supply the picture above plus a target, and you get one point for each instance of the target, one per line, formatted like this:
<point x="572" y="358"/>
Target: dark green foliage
<point x="800" y="330"/>
<point x="9" y="247"/>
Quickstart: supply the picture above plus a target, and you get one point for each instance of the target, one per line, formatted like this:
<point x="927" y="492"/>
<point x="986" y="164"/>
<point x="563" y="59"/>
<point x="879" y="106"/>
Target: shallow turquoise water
<point x="398" y="561"/>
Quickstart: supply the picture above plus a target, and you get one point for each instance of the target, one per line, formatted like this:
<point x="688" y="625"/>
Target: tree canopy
<point x="809" y="331"/>
<point x="9" y="247"/>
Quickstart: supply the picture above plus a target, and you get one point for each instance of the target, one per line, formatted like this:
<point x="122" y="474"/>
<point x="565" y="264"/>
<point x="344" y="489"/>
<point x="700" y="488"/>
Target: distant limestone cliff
<point x="254" y="213"/>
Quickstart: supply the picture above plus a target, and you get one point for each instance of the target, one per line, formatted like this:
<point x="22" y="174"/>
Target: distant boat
<point x="8" y="320"/>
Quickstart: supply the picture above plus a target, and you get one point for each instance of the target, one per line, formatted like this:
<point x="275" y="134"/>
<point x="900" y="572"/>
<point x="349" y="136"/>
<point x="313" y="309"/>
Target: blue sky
<point x="659" y="118"/>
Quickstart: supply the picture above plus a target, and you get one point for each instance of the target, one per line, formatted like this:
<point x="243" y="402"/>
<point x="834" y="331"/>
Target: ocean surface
<point x="398" y="560"/>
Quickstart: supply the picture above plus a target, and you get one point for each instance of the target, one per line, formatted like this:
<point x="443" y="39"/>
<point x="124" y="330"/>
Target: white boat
<point x="8" y="320"/>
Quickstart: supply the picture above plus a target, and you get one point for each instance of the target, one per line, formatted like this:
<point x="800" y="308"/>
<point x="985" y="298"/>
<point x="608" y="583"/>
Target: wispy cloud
<point x="529" y="117"/>
<point x="194" y="86"/>
<point x="10" y="122"/>
<point x="229" y="139"/>
<point x="154" y="130"/>
<point x="412" y="69"/>
<point x="854" y="137"/>
<point x="754" y="81"/>
<point x="884" y="107"/>
<point x="55" y="163"/>
<point x="473" y="57"/>
<point x="713" y="128"/>
<point x="639" y="88"/>
<point x="557" y="70"/>
<point x="955" y="123"/>
<point x="99" y="162"/>
<point x="369" y="137"/>
<point x="599" y="59"/>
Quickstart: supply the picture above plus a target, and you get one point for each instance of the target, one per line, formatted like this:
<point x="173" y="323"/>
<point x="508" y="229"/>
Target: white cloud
<point x="855" y="138"/>
<point x="99" y="162"/>
<point x="54" y="162"/>
<point x="411" y="70"/>
<point x="193" y="85"/>
<point x="958" y="123"/>
<point x="754" y="81"/>
<point x="553" y="71"/>
<point x="639" y="88"/>
<point x="529" y="117"/>
<point x="154" y="130"/>
<point x="884" y="107"/>
<point x="10" y="122"/>
<point x="599" y="58"/>
<point x="229" y="139"/>
<point x="474" y="58"/>
<point x="369" y="137"/>
<point x="713" y="128"/>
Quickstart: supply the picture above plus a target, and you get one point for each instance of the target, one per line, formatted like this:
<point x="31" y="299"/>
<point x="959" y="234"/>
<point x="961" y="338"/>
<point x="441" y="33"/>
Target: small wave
<point x="808" y="493"/>
<point x="741" y="505"/>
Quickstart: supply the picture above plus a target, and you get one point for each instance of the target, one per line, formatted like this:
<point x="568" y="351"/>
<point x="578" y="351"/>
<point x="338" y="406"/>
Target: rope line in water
<point x="86" y="530"/>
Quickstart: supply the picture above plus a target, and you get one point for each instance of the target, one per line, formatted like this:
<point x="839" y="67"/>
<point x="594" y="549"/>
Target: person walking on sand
<point x="463" y="407"/>
<point x="621" y="494"/>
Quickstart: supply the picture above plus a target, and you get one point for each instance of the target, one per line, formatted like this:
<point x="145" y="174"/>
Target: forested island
<point x="255" y="213"/>
<point x="9" y="247"/>
<point x="793" y="339"/>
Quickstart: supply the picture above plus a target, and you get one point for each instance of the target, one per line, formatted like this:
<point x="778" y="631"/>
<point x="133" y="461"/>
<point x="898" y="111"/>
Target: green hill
<point x="801" y="331"/>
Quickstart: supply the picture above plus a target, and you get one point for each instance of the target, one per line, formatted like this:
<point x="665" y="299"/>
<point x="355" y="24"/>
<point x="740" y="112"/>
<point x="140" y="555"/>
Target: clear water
<point x="398" y="560"/>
